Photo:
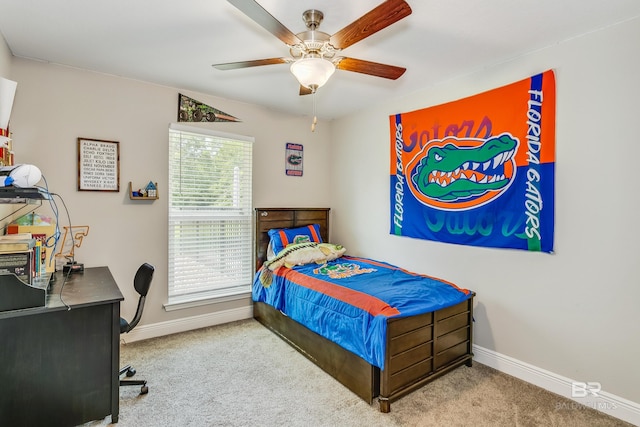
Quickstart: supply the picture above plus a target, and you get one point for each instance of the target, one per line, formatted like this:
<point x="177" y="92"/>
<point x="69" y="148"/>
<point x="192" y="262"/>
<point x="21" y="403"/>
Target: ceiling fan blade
<point x="254" y="63"/>
<point x="367" y="67"/>
<point x="256" y="12"/>
<point x="305" y="90"/>
<point x="387" y="13"/>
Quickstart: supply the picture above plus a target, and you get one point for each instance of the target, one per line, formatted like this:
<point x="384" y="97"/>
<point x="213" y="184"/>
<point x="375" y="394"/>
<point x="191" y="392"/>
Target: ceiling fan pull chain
<point x="315" y="117"/>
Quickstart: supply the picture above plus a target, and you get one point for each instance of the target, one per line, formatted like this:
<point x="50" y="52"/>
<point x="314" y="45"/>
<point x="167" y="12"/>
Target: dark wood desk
<point x="59" y="363"/>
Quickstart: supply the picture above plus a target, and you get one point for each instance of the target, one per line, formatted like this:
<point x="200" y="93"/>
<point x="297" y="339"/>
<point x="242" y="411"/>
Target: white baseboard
<point x="143" y="332"/>
<point x="602" y="401"/>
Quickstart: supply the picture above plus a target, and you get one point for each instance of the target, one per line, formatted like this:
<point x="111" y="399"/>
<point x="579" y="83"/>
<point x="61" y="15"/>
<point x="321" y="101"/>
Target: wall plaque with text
<point x="98" y="165"/>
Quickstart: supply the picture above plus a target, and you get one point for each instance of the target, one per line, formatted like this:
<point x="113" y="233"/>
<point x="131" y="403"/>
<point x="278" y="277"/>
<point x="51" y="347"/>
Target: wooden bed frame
<point x="418" y="349"/>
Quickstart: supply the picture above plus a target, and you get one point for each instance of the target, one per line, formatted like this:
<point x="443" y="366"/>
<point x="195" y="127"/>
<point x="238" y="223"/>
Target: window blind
<point x="210" y="214"/>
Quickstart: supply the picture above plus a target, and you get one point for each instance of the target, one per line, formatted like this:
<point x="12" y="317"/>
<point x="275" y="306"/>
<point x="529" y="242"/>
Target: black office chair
<point x="142" y="283"/>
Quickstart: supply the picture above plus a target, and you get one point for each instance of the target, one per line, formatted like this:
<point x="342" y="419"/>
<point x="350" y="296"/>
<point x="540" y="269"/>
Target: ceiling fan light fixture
<point x="312" y="72"/>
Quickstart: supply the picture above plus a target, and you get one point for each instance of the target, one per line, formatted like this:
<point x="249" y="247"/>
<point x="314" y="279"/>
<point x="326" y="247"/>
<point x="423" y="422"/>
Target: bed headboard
<point x="268" y="218"/>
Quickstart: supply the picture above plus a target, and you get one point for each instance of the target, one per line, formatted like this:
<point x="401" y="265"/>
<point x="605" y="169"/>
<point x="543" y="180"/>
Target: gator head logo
<point x="294" y="159"/>
<point x="460" y="174"/>
<point x="342" y="270"/>
<point x="300" y="238"/>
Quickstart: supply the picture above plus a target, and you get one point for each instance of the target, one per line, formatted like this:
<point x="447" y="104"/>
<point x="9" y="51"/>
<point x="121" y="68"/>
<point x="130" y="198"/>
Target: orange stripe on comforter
<point x="368" y="303"/>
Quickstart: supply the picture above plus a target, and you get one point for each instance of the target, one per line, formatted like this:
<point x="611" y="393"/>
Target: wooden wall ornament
<point x="190" y="110"/>
<point x="98" y="165"/>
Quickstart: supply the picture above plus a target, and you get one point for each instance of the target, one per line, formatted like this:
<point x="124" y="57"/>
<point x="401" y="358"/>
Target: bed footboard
<point x="424" y="347"/>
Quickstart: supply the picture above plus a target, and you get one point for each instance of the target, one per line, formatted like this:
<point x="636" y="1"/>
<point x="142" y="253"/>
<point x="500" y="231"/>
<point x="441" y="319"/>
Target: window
<point x="210" y="215"/>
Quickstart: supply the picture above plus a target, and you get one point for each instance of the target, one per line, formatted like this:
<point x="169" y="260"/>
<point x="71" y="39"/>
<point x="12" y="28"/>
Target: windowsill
<point x="205" y="300"/>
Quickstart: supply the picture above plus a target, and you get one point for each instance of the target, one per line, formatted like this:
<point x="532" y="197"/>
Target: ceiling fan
<point x="314" y="54"/>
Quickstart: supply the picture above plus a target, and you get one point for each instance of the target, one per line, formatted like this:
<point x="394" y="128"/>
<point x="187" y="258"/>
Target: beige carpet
<point x="241" y="374"/>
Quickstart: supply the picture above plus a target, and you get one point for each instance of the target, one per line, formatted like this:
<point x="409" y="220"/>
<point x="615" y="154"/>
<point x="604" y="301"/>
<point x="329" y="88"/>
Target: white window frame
<point x="190" y="263"/>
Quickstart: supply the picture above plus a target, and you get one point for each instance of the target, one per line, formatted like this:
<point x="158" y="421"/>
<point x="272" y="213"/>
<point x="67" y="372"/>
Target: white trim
<point x="143" y="332"/>
<point x="176" y="304"/>
<point x="608" y="403"/>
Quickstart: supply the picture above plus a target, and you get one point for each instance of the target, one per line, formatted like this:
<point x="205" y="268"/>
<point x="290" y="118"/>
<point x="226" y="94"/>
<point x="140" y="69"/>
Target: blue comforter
<point x="349" y="300"/>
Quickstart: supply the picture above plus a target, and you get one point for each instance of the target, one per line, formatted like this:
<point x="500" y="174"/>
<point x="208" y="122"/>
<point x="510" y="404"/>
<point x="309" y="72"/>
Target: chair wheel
<point x="131" y="372"/>
<point x="144" y="389"/>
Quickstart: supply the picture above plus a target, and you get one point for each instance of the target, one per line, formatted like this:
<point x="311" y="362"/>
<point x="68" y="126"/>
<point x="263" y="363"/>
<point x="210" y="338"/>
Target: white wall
<point x="5" y="58"/>
<point x="55" y="105"/>
<point x="574" y="313"/>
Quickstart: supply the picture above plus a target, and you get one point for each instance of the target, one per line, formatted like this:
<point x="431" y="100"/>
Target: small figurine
<point x="151" y="190"/>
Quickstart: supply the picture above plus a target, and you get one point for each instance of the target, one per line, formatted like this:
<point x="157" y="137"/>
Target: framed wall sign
<point x="293" y="159"/>
<point x="98" y="165"/>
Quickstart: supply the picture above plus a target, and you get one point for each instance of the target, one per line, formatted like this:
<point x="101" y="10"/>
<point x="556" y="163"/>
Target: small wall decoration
<point x="293" y="159"/>
<point x="190" y="110"/>
<point x="151" y="190"/>
<point x="98" y="165"/>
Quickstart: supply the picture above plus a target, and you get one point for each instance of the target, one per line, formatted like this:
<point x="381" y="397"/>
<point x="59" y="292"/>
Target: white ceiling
<point x="174" y="43"/>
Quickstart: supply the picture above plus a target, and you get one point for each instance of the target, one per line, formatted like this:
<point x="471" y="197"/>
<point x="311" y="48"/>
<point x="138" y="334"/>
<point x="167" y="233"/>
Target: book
<point x="37" y="258"/>
<point x="16" y="245"/>
<point x="16" y="236"/>
<point x="18" y="263"/>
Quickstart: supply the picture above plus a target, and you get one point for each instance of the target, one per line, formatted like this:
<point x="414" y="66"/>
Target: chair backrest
<point x="142" y="283"/>
<point x="142" y="280"/>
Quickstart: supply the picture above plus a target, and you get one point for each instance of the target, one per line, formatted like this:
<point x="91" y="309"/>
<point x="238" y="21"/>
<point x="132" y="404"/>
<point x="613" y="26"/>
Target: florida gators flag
<point x="480" y="170"/>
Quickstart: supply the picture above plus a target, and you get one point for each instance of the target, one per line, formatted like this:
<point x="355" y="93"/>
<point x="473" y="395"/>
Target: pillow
<point x="281" y="237"/>
<point x="270" y="253"/>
